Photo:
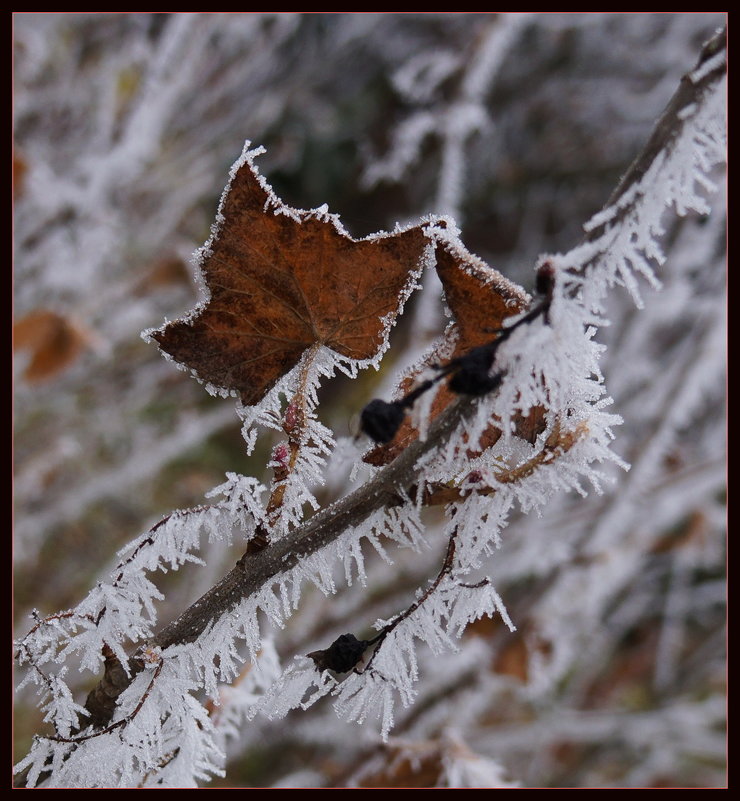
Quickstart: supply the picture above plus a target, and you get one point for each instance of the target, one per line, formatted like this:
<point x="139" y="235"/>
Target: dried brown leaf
<point x="164" y="273"/>
<point x="480" y="299"/>
<point x="281" y="280"/>
<point x="419" y="768"/>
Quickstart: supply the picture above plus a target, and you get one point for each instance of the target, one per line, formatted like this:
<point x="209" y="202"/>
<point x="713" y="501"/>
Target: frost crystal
<point x="175" y="711"/>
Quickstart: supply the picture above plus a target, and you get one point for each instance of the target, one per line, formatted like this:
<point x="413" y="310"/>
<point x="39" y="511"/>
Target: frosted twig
<point x="328" y="524"/>
<point x="445" y="570"/>
<point x="119" y="723"/>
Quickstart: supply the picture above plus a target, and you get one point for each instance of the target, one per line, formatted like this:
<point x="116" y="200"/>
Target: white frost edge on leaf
<point x="443" y="231"/>
<point x="700" y="145"/>
<point x="276" y="205"/>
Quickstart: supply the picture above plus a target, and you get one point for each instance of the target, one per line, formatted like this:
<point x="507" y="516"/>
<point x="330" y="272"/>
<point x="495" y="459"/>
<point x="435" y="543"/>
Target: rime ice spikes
<point x="470" y="374"/>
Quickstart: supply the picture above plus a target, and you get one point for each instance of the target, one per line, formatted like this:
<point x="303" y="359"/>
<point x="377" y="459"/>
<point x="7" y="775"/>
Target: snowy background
<point x="518" y="126"/>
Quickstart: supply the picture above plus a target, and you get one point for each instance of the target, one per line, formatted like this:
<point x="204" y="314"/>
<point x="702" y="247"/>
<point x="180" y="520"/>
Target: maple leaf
<point x="480" y="299"/>
<point x="281" y="280"/>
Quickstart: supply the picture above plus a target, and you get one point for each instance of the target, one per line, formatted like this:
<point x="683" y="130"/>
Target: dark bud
<point x="342" y="655"/>
<point x="473" y="375"/>
<point x="381" y="420"/>
<point x="474" y="382"/>
<point x="545" y="281"/>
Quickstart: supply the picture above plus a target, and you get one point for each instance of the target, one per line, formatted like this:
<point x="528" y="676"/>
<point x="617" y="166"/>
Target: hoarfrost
<point x="163" y="734"/>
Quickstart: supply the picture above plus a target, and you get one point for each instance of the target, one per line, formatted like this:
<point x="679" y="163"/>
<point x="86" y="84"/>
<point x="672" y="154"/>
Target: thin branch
<point x="49" y="621"/>
<point x="119" y="724"/>
<point x="445" y="570"/>
<point x="710" y="68"/>
<point x="149" y="540"/>
<point x="318" y="532"/>
<point x="294" y="424"/>
<point x="255" y="570"/>
<point x="557" y="444"/>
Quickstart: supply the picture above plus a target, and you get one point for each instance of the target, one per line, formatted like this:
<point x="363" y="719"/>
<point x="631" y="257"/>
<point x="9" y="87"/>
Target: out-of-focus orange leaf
<point x="513" y="659"/>
<point x="282" y="280"/>
<point x="693" y="532"/>
<point x="165" y="272"/>
<point x="53" y="341"/>
<point x="419" y="768"/>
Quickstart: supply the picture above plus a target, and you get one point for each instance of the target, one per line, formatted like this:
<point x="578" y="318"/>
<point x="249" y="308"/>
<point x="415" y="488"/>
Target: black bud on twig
<point x="474" y="380"/>
<point x="342" y="655"/>
<point x="473" y="373"/>
<point x="381" y="420"/>
<point x="545" y="281"/>
<point x="545" y="286"/>
<point x="470" y="374"/>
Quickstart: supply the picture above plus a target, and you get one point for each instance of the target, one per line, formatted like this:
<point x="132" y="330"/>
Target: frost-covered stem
<point x="216" y="710"/>
<point x="445" y="570"/>
<point x="681" y="391"/>
<point x="47" y="621"/>
<point x="32" y="662"/>
<point x="149" y="540"/>
<point x="672" y="632"/>
<point x="710" y="68"/>
<point x="166" y="759"/>
<point x="110" y="691"/>
<point x="100" y="702"/>
<point x="318" y="532"/>
<point x="294" y="425"/>
<point x="467" y="115"/>
<point x="255" y="569"/>
<point x="558" y="443"/>
<point x="119" y="724"/>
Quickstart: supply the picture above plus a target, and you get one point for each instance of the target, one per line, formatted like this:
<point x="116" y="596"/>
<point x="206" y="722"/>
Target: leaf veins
<point x="281" y="280"/>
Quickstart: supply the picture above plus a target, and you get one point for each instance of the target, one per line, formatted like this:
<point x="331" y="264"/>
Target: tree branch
<point x="710" y="67"/>
<point x="255" y="569"/>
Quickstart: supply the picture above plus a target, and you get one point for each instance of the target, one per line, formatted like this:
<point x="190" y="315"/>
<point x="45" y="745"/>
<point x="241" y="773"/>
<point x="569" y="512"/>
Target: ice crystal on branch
<point x="509" y="412"/>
